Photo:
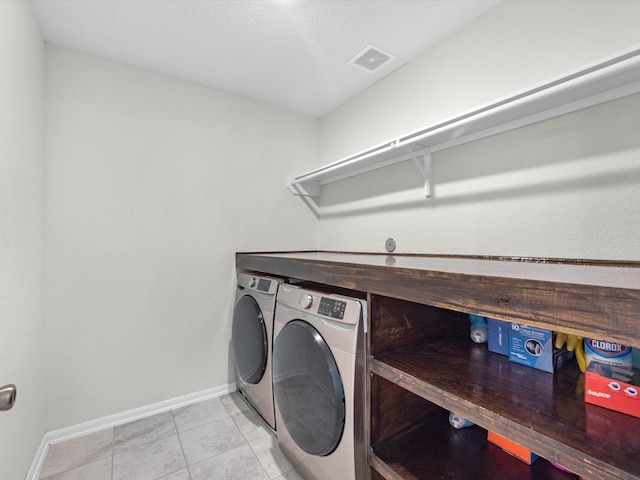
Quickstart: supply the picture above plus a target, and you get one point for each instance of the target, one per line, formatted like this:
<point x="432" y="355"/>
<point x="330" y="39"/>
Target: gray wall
<point x="21" y="235"/>
<point x="563" y="188"/>
<point x="152" y="185"/>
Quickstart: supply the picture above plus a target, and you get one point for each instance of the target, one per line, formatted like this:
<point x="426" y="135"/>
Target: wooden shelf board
<point x="595" y="298"/>
<point x="436" y="450"/>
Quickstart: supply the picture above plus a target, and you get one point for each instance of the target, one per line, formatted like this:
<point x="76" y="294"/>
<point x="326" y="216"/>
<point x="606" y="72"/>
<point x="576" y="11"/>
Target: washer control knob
<point x="306" y="301"/>
<point x="252" y="282"/>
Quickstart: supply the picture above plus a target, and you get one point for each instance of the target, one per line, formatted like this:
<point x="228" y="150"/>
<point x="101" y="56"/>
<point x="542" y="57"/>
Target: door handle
<point x="7" y="397"/>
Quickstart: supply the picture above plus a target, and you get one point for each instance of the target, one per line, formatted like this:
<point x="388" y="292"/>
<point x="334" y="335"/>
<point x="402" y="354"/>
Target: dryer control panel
<point x="331" y="306"/>
<point x="264" y="285"/>
<point x="258" y="283"/>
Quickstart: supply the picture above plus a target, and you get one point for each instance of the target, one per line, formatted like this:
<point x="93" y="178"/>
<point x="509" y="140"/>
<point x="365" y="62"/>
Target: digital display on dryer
<point x="332" y="308"/>
<point x="263" y="285"/>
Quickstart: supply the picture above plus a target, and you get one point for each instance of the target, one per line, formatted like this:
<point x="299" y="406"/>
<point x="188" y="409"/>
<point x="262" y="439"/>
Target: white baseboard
<point x="68" y="433"/>
<point x="38" y="459"/>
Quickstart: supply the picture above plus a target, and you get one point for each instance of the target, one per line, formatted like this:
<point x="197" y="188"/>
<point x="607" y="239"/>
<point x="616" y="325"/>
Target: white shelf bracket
<point x="424" y="166"/>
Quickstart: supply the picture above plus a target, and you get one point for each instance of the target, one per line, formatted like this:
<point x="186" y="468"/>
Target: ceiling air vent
<point x="371" y="58"/>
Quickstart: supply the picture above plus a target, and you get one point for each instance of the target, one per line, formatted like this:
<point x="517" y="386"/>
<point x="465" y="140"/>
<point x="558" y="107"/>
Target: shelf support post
<point x="425" y="168"/>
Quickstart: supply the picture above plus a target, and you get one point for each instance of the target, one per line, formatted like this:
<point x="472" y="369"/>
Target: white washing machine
<point x="252" y="340"/>
<point x="318" y="381"/>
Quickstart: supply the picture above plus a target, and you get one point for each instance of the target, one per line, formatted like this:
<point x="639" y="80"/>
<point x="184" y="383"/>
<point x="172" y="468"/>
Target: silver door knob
<point x="7" y="397"/>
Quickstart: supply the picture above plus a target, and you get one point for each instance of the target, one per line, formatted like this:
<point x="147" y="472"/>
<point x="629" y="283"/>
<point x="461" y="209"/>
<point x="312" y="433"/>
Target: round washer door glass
<point x="249" y="338"/>
<point x="308" y="388"/>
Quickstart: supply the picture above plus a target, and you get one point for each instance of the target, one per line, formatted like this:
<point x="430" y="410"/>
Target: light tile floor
<point x="222" y="438"/>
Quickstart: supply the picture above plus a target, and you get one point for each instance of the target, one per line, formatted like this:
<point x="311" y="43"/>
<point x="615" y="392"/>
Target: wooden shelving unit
<point x="422" y="364"/>
<point x="545" y="412"/>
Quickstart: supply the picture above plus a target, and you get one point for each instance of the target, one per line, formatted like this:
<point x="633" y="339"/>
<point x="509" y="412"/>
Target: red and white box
<point x="613" y="387"/>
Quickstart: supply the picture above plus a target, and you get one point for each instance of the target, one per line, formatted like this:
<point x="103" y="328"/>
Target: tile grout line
<point x="113" y="451"/>
<point x="270" y="432"/>
<point x="161" y="437"/>
<point x="253" y="450"/>
<point x="184" y="455"/>
<point x="248" y="443"/>
<point x="198" y="426"/>
<point x="233" y="410"/>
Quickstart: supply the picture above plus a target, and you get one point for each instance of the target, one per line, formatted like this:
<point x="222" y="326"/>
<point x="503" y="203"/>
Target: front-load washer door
<point x="308" y="388"/>
<point x="250" y="342"/>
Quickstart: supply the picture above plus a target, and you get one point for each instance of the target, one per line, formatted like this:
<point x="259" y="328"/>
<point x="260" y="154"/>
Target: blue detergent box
<point x="533" y="347"/>
<point x="498" y="336"/>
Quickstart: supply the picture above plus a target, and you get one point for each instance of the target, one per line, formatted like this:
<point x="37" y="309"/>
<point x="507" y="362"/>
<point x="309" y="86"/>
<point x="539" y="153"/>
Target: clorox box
<point x="533" y="347"/>
<point x="605" y="352"/>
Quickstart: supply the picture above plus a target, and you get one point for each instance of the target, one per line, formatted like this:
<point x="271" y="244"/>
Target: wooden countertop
<point x="601" y="273"/>
<point x="597" y="298"/>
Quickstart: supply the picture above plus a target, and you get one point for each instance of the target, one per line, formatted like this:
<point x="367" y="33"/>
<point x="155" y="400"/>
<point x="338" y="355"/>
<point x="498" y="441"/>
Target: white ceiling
<point x="289" y="53"/>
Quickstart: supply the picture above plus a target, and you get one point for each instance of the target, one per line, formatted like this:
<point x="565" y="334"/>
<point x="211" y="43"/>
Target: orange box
<point x="613" y="387"/>
<point x="512" y="448"/>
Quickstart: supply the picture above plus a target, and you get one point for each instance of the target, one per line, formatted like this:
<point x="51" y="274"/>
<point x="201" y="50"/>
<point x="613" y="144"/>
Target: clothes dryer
<point x="252" y="340"/>
<point x="318" y="375"/>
